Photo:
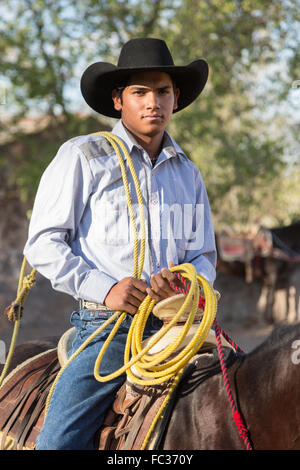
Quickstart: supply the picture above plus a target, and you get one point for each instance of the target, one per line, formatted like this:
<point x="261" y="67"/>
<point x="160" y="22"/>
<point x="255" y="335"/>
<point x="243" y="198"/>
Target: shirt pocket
<point x="113" y="224"/>
<point x="190" y="217"/>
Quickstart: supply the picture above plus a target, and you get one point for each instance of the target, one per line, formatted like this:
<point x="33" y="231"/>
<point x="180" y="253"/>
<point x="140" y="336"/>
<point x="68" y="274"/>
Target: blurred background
<point x="242" y="133"/>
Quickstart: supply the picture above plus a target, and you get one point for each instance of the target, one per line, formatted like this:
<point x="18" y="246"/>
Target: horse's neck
<point x="267" y="385"/>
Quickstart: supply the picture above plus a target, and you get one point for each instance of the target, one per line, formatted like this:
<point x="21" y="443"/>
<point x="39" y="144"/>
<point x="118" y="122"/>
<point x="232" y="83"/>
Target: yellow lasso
<point x="14" y="312"/>
<point x="155" y="369"/>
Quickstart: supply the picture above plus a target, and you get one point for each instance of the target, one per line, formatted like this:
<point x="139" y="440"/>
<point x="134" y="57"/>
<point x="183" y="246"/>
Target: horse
<point x="265" y="384"/>
<point x="278" y="268"/>
<point x="272" y="257"/>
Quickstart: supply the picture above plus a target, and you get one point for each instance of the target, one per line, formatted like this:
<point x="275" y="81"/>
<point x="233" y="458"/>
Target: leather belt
<point x="87" y="305"/>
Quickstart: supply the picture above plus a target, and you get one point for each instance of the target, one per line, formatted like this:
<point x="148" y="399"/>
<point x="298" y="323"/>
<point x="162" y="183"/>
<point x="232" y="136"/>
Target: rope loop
<point x="146" y="368"/>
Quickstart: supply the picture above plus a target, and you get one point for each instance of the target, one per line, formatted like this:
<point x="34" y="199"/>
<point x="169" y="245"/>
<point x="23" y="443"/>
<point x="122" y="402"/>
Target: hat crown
<point x="145" y="52"/>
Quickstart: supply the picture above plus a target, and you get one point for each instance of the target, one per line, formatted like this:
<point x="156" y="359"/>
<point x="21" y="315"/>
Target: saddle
<point x="137" y="418"/>
<point x="22" y="400"/>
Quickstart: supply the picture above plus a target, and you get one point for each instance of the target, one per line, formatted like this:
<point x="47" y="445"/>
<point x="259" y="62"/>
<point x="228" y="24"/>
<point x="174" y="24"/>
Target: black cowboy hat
<point x="137" y="55"/>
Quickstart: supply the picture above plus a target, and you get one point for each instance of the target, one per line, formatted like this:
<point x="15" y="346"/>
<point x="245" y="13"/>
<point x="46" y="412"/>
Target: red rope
<point x="240" y="424"/>
<point x="238" y="419"/>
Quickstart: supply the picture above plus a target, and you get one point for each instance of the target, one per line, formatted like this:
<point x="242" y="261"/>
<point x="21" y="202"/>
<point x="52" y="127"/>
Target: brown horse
<point x="265" y="385"/>
<point x="277" y="270"/>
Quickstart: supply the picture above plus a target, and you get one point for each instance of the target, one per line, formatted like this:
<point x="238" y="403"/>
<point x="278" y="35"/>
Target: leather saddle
<point x="22" y="400"/>
<point x="24" y="392"/>
<point x="23" y="397"/>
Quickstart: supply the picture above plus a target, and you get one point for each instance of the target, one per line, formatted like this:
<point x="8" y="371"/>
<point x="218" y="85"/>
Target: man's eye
<point x="138" y="92"/>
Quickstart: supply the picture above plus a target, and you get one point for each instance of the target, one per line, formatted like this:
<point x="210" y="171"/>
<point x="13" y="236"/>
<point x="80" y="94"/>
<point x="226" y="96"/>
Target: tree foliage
<point x="236" y="132"/>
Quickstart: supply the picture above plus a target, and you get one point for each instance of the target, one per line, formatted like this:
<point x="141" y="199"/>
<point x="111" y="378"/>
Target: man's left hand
<point x="160" y="284"/>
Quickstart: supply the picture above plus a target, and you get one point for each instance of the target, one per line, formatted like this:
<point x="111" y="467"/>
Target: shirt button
<point x="157" y="265"/>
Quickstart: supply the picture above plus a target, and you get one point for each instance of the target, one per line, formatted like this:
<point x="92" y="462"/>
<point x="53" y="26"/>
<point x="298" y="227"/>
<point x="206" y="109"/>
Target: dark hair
<point x="120" y="90"/>
<point x="122" y="86"/>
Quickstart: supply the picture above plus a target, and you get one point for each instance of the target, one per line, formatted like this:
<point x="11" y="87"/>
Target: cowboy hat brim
<point x="100" y="78"/>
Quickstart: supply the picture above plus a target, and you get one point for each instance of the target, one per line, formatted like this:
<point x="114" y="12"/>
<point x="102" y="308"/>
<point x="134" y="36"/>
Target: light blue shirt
<point x="80" y="235"/>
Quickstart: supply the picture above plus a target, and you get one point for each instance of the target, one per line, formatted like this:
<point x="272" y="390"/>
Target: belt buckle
<point x="87" y="305"/>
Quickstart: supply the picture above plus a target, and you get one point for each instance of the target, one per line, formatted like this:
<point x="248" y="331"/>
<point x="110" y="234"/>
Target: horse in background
<point x="278" y="267"/>
<point x="267" y="256"/>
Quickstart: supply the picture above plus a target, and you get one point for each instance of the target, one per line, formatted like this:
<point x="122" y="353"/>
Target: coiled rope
<point x="154" y="368"/>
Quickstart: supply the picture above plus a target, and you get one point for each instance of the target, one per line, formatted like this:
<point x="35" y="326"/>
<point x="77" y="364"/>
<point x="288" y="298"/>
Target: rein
<point x="237" y="417"/>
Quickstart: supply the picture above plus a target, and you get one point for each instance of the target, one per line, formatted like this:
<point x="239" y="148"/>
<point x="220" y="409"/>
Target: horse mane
<point x="281" y="335"/>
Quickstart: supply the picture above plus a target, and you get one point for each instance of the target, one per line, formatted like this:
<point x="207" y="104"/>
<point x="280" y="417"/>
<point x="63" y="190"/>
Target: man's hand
<point x="126" y="295"/>
<point x="160" y="284"/>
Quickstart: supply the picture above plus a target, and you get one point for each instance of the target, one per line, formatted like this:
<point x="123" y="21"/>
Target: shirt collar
<point x="170" y="147"/>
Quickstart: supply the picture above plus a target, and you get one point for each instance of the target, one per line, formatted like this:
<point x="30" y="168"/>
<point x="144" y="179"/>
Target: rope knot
<point x="239" y="422"/>
<point x="29" y="281"/>
<point x="243" y="431"/>
<point x="13" y="311"/>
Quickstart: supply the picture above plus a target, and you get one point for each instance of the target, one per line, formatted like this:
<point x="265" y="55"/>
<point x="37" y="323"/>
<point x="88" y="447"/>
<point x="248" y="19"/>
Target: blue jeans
<point x="79" y="402"/>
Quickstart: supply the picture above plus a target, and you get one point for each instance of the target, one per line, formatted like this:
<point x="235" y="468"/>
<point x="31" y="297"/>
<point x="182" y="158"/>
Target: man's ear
<point x="117" y="99"/>
<point x="176" y="94"/>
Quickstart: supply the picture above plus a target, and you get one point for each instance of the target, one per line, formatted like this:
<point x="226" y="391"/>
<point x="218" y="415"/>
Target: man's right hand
<point x="126" y="295"/>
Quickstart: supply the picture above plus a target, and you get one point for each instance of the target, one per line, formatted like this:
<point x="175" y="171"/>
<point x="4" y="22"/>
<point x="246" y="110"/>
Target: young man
<point x="79" y="235"/>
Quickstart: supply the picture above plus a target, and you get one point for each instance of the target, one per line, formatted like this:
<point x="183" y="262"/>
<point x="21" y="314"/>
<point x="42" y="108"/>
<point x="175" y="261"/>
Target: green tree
<point x="228" y="130"/>
<point x="236" y="131"/>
